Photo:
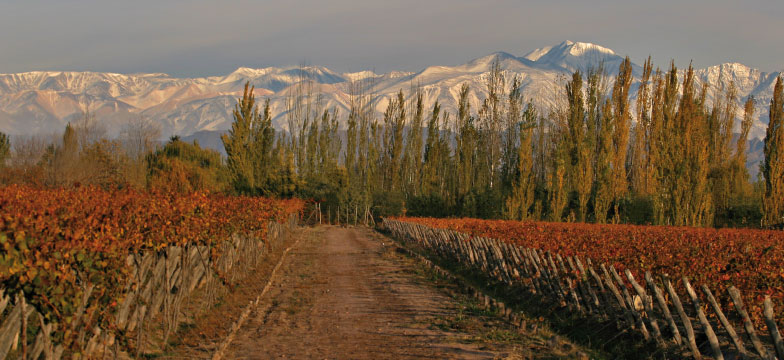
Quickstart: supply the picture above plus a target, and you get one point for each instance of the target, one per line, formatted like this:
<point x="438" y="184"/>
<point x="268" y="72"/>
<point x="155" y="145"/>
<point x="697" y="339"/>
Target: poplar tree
<point x="580" y="170"/>
<point x="310" y="154"/>
<point x="666" y="149"/>
<point x="412" y="158"/>
<point x="66" y="158"/>
<point x="541" y="153"/>
<point x="5" y="149"/>
<point x="739" y="174"/>
<point x="374" y="175"/>
<point x="603" y="187"/>
<point x="509" y="154"/>
<point x="329" y="143"/>
<point x="620" y="131"/>
<point x="394" y="124"/>
<point x="490" y="127"/>
<point x="595" y="96"/>
<point x="432" y="157"/>
<point x="640" y="149"/>
<point x="773" y="165"/>
<point x="559" y="160"/>
<point x="350" y="158"/>
<point x="238" y="142"/>
<point x="691" y="197"/>
<point x="262" y="142"/>
<point x="519" y="202"/>
<point x="466" y="145"/>
<point x="657" y="147"/>
<point x="720" y="124"/>
<point x="286" y="181"/>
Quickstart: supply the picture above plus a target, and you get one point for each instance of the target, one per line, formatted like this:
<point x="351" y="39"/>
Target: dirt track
<point x="346" y="293"/>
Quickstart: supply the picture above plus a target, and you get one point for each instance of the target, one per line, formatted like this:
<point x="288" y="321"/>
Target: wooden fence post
<point x="648" y="308"/>
<point x="630" y="301"/>
<point x="618" y="298"/>
<point x="691" y="341"/>
<point x="724" y="322"/>
<point x="714" y="342"/>
<point x="663" y="306"/>
<point x="747" y="324"/>
<point x="772" y="328"/>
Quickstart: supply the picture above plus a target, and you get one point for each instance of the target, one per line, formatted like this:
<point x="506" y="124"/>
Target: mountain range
<point x="42" y="102"/>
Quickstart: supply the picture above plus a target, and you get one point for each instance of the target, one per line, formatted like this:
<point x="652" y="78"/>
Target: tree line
<point x="582" y="159"/>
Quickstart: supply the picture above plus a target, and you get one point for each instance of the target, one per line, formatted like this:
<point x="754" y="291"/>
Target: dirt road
<point x="346" y="293"/>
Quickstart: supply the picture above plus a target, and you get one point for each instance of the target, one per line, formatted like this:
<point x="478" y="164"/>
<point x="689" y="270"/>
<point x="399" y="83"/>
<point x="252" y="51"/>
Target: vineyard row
<point x="653" y="308"/>
<point x="88" y="272"/>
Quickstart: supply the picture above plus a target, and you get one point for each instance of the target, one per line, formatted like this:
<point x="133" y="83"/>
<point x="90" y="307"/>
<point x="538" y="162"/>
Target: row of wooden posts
<point x="346" y="215"/>
<point x="657" y="313"/>
<point x="162" y="281"/>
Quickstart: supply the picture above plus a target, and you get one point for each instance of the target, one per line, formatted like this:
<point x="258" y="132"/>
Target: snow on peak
<point x="360" y="75"/>
<point x="538" y="53"/>
<point x="580" y="48"/>
<point x="568" y="48"/>
<point x="571" y="55"/>
<point x="736" y="67"/>
<point x="250" y="72"/>
<point x="490" y="59"/>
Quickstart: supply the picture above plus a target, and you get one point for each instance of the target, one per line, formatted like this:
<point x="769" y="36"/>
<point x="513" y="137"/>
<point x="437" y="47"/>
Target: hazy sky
<point x="197" y="38"/>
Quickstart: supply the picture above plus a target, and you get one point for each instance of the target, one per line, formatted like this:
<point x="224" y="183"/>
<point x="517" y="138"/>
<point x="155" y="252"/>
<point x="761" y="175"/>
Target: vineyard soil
<point x="347" y="293"/>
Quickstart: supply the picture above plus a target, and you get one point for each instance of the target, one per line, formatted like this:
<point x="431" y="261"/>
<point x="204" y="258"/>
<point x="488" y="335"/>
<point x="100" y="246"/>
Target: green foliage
<point x="621" y="124"/>
<point x="773" y="166"/>
<point x="249" y="145"/>
<point x="636" y="210"/>
<point x="388" y="203"/>
<point x="519" y="202"/>
<point x="5" y="149"/>
<point x="580" y="145"/>
<point x="185" y="167"/>
<point x="429" y="205"/>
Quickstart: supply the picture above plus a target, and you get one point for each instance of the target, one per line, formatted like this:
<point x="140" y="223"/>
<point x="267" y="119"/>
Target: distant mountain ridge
<point x="44" y="101"/>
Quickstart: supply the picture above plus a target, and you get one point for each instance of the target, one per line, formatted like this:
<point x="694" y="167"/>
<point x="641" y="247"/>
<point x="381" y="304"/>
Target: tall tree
<point x="238" y="142"/>
<point x="261" y="146"/>
<point x="580" y="170"/>
<point x="394" y="126"/>
<point x="665" y="92"/>
<point x="65" y="159"/>
<point x="603" y="187"/>
<point x="5" y="149"/>
<point x="509" y="154"/>
<point x="557" y="180"/>
<point x="740" y="175"/>
<point x="621" y="124"/>
<point x="521" y="198"/>
<point x="466" y="145"/>
<point x="490" y="123"/>
<point x="350" y="159"/>
<point x="720" y="123"/>
<point x="692" y="202"/>
<point x="412" y="158"/>
<point x="773" y="166"/>
<point x="431" y="178"/>
<point x="640" y="149"/>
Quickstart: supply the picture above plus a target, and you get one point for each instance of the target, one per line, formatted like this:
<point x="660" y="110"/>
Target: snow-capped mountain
<point x="570" y="56"/>
<point x="44" y="101"/>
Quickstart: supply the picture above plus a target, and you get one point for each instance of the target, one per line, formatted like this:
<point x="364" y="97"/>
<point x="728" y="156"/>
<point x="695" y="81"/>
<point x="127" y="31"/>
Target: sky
<point x="192" y="38"/>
